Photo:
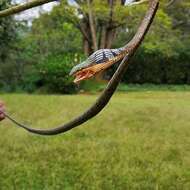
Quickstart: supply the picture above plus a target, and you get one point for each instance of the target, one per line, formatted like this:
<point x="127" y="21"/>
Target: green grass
<point x="93" y="87"/>
<point x="140" y="141"/>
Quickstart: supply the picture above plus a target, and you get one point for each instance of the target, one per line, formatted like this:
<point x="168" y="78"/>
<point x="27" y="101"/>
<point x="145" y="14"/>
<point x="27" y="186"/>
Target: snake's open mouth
<point x="91" y="71"/>
<point x="83" y="75"/>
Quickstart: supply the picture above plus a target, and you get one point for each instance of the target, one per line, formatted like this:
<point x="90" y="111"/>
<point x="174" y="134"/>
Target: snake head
<point x="86" y="71"/>
<point x="82" y="71"/>
<point x="95" y="63"/>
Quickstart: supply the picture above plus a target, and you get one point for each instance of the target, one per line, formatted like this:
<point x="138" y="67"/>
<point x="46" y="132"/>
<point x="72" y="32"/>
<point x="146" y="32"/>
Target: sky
<point x="29" y="15"/>
<point x="34" y="12"/>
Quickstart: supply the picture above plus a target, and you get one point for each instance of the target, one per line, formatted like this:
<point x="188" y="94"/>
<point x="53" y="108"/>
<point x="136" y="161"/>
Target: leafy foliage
<point x="54" y="73"/>
<point x="164" y="56"/>
<point x="8" y="36"/>
<point x="156" y="67"/>
<point x="52" y="35"/>
<point x="7" y="32"/>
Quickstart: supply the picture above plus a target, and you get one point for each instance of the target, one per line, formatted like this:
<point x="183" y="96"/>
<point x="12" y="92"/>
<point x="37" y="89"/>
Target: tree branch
<point x="105" y="97"/>
<point x="23" y="7"/>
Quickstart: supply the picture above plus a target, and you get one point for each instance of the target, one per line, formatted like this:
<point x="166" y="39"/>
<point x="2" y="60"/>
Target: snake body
<point x="99" y="58"/>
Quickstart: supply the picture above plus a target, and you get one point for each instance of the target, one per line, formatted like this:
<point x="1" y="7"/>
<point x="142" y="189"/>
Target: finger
<point x="2" y="116"/>
<point x="2" y="109"/>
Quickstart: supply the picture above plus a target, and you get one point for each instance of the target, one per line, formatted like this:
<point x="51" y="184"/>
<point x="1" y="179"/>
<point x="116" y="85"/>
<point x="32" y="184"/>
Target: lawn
<point x="140" y="141"/>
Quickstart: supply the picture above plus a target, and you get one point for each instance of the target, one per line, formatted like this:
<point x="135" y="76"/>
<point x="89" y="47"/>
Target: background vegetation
<point x="38" y="58"/>
<point x="141" y="139"/>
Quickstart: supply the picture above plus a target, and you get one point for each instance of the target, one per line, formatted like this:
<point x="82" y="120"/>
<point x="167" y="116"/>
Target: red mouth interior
<point x="83" y="75"/>
<point x="91" y="71"/>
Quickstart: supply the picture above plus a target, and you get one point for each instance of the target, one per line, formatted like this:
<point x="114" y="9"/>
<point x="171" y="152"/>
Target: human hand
<point x="2" y="109"/>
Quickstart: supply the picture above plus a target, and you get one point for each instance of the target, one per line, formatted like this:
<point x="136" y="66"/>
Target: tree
<point x="96" y="20"/>
<point x="7" y="32"/>
<point x="53" y="36"/>
<point x="8" y="36"/>
<point x="179" y="11"/>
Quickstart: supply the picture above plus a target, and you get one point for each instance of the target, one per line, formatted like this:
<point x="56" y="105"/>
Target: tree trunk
<point x="92" y="26"/>
<point x="86" y="47"/>
<point x="102" y="40"/>
<point x="110" y="36"/>
<point x="87" y="40"/>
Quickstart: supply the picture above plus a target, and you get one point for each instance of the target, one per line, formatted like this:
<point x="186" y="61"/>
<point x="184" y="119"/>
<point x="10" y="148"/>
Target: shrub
<point x="54" y="73"/>
<point x="158" y="68"/>
<point x="32" y="79"/>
